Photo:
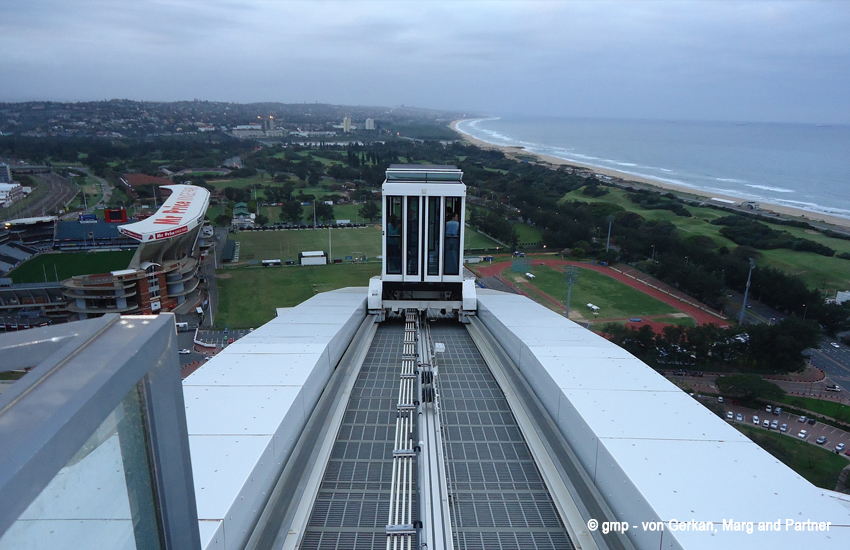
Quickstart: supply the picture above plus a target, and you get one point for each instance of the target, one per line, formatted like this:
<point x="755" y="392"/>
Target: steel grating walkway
<point x="351" y="510"/>
<point x="499" y="500"/>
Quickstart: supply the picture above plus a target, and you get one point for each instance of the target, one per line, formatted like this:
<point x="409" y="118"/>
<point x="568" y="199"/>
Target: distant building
<point x="842" y="296"/>
<point x="268" y="123"/>
<point x="164" y="271"/>
<point x="750" y="205"/>
<point x="5" y="174"/>
<point x="346" y="124"/>
<point x="370" y="124"/>
<point x="10" y="193"/>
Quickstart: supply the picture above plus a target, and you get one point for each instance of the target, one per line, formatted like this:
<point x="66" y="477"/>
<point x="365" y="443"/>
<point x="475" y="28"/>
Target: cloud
<point x="729" y="60"/>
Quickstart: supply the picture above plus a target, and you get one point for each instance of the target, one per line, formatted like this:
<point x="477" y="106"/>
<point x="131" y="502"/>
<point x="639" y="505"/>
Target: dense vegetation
<point x="747" y="232"/>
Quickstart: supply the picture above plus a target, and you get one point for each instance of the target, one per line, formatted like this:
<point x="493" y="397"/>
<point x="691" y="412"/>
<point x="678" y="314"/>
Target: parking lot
<point x="833" y="435"/>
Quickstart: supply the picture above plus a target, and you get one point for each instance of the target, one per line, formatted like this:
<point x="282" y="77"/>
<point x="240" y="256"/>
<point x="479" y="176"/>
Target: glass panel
<point x="413" y="235"/>
<point x="103" y="497"/>
<point x="435" y="219"/>
<point x="451" y="263"/>
<point x="394" y="235"/>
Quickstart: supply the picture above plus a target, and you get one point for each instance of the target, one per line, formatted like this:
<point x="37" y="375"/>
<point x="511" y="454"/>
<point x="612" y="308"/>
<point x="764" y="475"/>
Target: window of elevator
<point x="451" y="261"/>
<point x="394" y="235"/>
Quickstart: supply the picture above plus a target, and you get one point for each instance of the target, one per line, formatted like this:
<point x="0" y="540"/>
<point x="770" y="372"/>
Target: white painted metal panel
<point x="653" y="450"/>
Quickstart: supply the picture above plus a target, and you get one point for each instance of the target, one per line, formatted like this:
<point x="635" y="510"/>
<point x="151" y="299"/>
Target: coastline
<point x="766" y="209"/>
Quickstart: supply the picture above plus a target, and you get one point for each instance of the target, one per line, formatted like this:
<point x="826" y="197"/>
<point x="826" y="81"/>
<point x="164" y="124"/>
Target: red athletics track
<point x="700" y="316"/>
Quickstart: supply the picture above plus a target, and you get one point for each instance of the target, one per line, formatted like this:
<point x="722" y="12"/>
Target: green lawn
<point x="827" y="408"/>
<point x="248" y="296"/>
<point x="285" y="245"/>
<point x="817" y="271"/>
<point x="68" y="264"/>
<point x="818" y="465"/>
<point x="615" y="299"/>
<point x="528" y="234"/>
<point x="476" y="240"/>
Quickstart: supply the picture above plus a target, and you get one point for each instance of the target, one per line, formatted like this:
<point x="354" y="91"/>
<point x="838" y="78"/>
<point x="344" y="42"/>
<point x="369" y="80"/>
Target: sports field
<point x="52" y="267"/>
<point x="286" y="244"/>
<point x="614" y="299"/>
<point x="248" y="296"/>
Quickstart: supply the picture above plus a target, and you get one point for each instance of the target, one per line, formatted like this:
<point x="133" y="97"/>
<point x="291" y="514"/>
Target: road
<point x="834" y="361"/>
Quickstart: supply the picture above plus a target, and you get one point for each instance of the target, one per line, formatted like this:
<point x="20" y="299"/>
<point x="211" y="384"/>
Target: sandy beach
<point x="766" y="209"/>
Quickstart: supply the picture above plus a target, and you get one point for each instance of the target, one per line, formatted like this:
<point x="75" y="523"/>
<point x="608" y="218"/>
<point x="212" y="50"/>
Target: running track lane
<point x="700" y="316"/>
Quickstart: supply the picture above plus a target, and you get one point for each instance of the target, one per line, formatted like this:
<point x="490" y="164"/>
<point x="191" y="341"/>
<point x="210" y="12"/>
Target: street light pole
<point x="746" y="292"/>
<point x="570" y="274"/>
<point x="652" y="259"/>
<point x="608" y="242"/>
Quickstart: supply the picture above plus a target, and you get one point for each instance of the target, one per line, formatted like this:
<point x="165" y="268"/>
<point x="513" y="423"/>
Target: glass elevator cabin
<point x="424" y="208"/>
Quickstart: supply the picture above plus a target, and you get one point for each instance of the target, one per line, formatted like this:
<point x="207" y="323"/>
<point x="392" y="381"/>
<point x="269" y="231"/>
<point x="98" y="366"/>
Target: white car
<point x="834" y="344"/>
<point x="720" y="399"/>
<point x="184" y="352"/>
<point x="768" y="409"/>
<point x="730" y="415"/>
<point x="766" y="424"/>
<point x="801" y="419"/>
<point x="774" y="425"/>
<point x="739" y="417"/>
<point x="839" y="447"/>
<point x="802" y="434"/>
<point x="756" y="420"/>
<point x="783" y="428"/>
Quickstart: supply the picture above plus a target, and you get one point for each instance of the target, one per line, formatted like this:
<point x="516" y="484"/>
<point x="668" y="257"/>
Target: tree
<point x="748" y="387"/>
<point x="369" y="211"/>
<point x="324" y="212"/>
<point x="222" y="220"/>
<point x="291" y="212"/>
<point x="261" y="220"/>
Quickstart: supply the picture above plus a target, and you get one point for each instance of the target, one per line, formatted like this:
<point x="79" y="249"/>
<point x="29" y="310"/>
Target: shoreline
<point x="766" y="209"/>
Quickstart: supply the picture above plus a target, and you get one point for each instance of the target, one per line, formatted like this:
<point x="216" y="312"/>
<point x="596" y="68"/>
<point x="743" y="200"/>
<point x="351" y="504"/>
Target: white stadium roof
<point x="183" y="211"/>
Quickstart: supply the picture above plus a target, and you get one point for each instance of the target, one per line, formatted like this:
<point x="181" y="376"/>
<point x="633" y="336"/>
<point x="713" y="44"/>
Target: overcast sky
<point x="752" y="61"/>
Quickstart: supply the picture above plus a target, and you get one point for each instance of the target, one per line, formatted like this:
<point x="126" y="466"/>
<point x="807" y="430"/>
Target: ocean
<point x="804" y="166"/>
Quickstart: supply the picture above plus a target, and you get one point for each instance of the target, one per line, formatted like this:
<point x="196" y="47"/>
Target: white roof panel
<point x="221" y="466"/>
<point x="605" y="374"/>
<point x="181" y="212"/>
<point x="249" y="369"/>
<point x="246" y="410"/>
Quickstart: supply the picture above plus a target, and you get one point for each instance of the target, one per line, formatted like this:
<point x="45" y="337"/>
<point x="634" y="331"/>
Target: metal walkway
<point x="416" y="420"/>
<point x="499" y="500"/>
<point x="352" y="506"/>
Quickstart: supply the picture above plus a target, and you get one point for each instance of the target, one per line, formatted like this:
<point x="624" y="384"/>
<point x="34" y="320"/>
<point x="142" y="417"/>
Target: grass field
<point x="827" y="408"/>
<point x="528" y="234"/>
<point x="817" y="271"/>
<point x="68" y="264"/>
<point x="820" y="466"/>
<point x="615" y="299"/>
<point x="248" y="296"/>
<point x="475" y="240"/>
<point x="286" y="245"/>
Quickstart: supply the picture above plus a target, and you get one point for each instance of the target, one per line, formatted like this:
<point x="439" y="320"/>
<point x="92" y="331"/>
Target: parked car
<point x="729" y="415"/>
<point x="812" y="421"/>
<point x="802" y="434"/>
<point x="821" y="440"/>
<point x="839" y="447"/>
<point x="774" y="425"/>
<point x="783" y="428"/>
<point x="777" y="410"/>
<point x="739" y="417"/>
<point x="184" y="352"/>
<point x="834" y="344"/>
<point x="756" y="419"/>
<point x="802" y="419"/>
<point x="720" y="399"/>
<point x="765" y="424"/>
<point x="768" y="409"/>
